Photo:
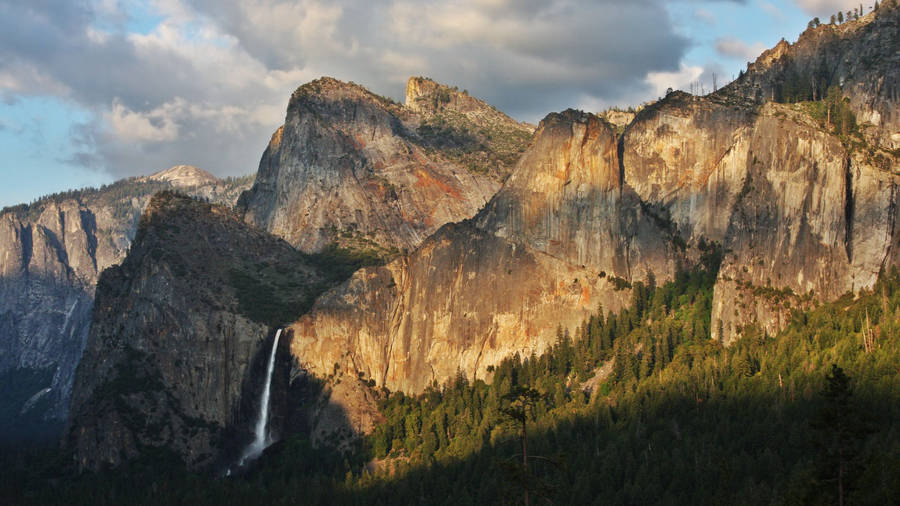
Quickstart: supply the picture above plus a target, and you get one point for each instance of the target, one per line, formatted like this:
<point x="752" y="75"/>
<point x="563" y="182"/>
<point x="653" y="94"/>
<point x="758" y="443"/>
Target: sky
<point x="92" y="91"/>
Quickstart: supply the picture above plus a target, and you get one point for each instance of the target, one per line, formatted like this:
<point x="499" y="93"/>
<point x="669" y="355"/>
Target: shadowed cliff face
<point x="51" y="254"/>
<point x="540" y="255"/>
<point x="353" y="168"/>
<point x="171" y="343"/>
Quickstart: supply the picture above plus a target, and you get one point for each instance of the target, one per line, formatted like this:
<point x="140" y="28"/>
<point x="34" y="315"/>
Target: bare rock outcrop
<point x="51" y="255"/>
<point x="174" y="335"/>
<point x="349" y="167"/>
<point x="813" y="220"/>
<point x="544" y="252"/>
<point x="801" y="212"/>
<point x="859" y="56"/>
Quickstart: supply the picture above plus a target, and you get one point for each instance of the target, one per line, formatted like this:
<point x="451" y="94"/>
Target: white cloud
<point x="828" y="7"/>
<point x="680" y="80"/>
<point x="705" y="16"/>
<point x="738" y="49"/>
<point x="209" y="83"/>
<point x="154" y="126"/>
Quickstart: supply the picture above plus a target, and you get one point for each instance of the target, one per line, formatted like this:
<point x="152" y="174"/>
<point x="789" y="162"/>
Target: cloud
<point x="828" y="7"/>
<point x="735" y="48"/>
<point x="705" y="16"/>
<point x="772" y="10"/>
<point x="679" y="80"/>
<point x="207" y="81"/>
<point x="154" y="126"/>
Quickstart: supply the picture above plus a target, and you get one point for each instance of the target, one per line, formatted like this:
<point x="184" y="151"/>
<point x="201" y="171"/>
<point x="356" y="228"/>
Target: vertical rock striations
<point x="175" y="330"/>
<point x="352" y="168"/>
<point x="813" y="220"/>
<point x="542" y="253"/>
<point x="51" y="254"/>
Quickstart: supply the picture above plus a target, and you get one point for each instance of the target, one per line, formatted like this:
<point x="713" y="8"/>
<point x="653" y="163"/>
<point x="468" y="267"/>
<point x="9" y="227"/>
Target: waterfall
<point x="260" y="435"/>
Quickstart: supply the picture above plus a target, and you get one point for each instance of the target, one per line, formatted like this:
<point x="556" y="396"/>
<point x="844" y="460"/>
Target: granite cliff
<point x="177" y="329"/>
<point x="51" y="254"/>
<point x="803" y="211"/>
<point x="368" y="176"/>
<point x="562" y="237"/>
<point x="355" y="169"/>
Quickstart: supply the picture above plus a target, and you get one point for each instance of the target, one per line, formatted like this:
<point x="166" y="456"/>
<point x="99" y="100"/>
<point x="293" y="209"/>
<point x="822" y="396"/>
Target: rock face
<point x="51" y="254"/>
<point x="859" y="56"/>
<point x="184" y="176"/>
<point x="542" y="253"/>
<point x="814" y="220"/>
<point x="801" y="213"/>
<point x="353" y="168"/>
<point x="348" y="167"/>
<point x="687" y="158"/>
<point x="173" y="339"/>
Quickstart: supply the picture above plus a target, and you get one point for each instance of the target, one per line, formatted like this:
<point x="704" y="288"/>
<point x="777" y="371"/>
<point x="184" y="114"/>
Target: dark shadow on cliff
<point x="762" y="421"/>
<point x="678" y="449"/>
<point x="295" y="400"/>
<point x="44" y="323"/>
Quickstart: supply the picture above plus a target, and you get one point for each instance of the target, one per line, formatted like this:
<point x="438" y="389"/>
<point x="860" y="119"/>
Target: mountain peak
<point x="429" y="97"/>
<point x="183" y="176"/>
<point x="426" y="94"/>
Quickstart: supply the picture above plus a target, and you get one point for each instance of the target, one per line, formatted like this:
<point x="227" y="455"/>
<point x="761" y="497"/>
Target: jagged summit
<point x="426" y="96"/>
<point x="353" y="168"/>
<point x="860" y="58"/>
<point x="183" y="176"/>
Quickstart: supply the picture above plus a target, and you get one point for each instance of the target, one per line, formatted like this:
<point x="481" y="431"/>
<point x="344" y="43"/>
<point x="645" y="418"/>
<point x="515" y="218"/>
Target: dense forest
<point x="635" y="407"/>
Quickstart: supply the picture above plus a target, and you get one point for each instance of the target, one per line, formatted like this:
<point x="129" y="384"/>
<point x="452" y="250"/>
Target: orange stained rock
<point x="425" y="180"/>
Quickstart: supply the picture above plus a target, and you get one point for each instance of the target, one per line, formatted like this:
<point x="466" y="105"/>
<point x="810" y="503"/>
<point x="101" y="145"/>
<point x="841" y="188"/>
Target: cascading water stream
<point x="260" y="434"/>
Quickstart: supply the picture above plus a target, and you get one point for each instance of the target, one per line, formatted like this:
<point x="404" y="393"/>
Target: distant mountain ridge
<point x="51" y="254"/>
<point x="184" y="176"/>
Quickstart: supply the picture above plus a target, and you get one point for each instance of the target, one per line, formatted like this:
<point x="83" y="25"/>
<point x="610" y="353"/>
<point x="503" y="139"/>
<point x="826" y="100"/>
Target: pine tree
<point x="519" y="406"/>
<point x="839" y="432"/>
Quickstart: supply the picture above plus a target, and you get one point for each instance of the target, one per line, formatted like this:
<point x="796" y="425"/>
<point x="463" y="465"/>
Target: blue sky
<point x="95" y="90"/>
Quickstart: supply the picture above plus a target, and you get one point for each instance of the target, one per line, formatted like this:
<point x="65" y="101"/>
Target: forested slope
<point x="641" y="407"/>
